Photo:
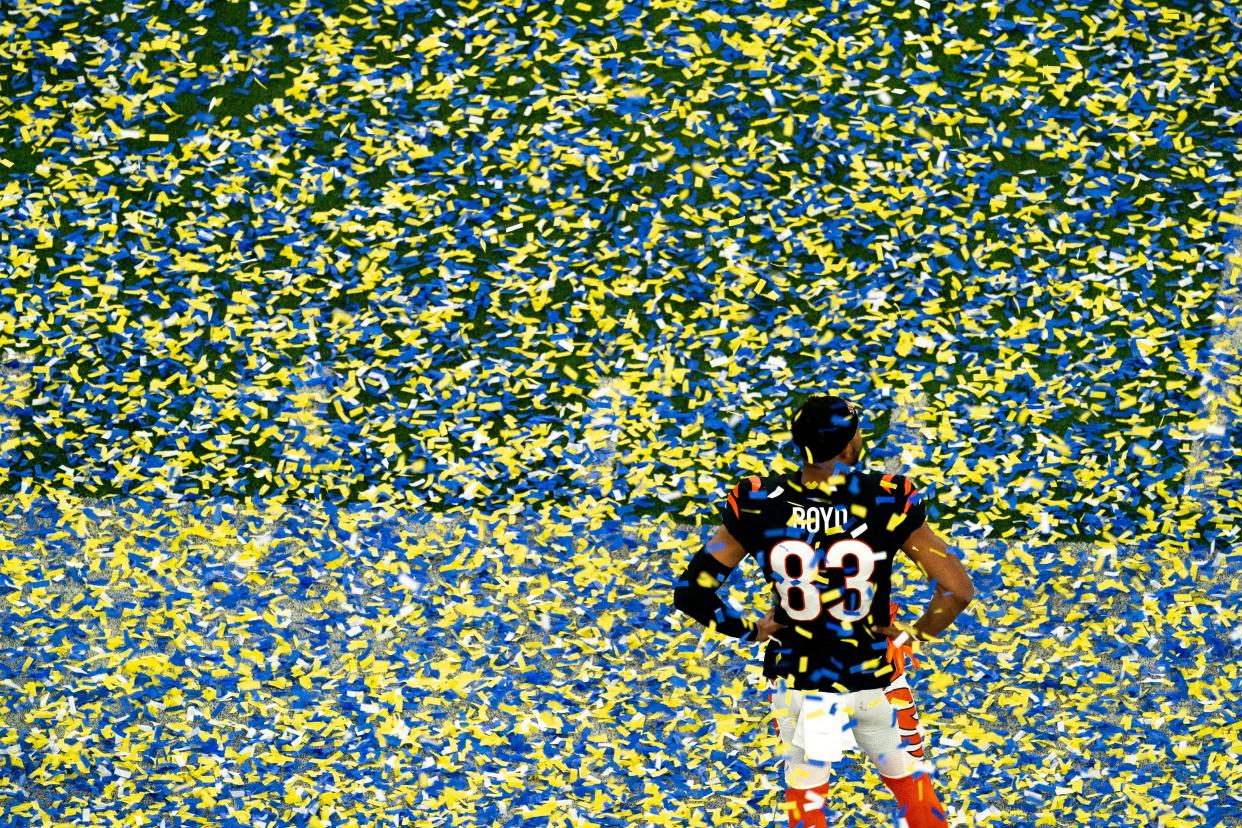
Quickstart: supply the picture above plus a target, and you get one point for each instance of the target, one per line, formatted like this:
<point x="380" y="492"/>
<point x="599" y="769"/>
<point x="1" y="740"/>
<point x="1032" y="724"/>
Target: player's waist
<point x="828" y="669"/>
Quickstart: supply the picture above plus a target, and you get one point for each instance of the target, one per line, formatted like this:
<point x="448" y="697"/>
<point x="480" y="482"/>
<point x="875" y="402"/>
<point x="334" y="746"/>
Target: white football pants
<point x="884" y="722"/>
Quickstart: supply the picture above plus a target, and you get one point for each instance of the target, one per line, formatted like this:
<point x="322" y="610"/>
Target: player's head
<point x="825" y="428"/>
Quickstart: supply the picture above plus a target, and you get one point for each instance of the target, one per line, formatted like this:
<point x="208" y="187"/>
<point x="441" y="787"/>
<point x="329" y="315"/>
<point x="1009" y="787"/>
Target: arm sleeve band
<point x="695" y="595"/>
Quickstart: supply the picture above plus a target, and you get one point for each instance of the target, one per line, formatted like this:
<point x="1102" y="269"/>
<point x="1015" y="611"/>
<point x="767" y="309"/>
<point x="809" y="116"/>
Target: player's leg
<point x="901" y="697"/>
<point x="878" y="730"/>
<point x="806" y="782"/>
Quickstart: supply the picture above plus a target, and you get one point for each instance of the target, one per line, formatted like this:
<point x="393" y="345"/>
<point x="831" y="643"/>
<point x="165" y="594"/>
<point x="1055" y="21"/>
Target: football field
<point x="369" y="371"/>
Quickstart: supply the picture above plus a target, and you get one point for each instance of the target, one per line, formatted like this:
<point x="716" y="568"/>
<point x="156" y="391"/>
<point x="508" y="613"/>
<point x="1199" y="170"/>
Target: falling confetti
<point x="367" y="371"/>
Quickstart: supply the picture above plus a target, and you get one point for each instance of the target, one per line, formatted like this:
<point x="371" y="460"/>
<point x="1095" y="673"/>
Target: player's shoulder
<point x="895" y="484"/>
<point x="755" y="494"/>
<point x="758" y="486"/>
<point x="885" y="487"/>
<point x="898" y="494"/>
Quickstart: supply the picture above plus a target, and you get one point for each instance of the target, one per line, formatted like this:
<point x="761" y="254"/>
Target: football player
<point x="826" y="538"/>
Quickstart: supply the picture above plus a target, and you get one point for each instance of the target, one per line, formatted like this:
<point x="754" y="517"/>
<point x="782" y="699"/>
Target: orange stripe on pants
<point x="907" y="720"/>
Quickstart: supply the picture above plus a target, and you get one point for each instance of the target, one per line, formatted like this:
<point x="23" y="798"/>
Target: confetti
<point x="367" y="371"/>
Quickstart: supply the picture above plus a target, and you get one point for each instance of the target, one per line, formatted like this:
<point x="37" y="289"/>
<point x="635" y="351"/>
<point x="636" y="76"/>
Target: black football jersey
<point x="827" y="551"/>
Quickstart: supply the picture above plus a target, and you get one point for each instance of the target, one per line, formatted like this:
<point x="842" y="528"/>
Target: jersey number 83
<point x="801" y="598"/>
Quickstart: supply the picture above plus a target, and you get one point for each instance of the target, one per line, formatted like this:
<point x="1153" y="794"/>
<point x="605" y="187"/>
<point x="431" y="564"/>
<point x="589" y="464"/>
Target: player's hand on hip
<point x="768" y="626"/>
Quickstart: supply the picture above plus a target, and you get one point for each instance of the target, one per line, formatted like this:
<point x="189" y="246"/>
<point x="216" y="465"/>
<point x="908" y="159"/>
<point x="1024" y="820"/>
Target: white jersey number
<point x="800" y="597"/>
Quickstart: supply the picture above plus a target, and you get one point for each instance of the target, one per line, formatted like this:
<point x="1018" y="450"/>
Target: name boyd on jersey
<point x="817" y="518"/>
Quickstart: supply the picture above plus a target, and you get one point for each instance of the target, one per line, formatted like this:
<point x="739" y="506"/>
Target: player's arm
<point x="954" y="591"/>
<point x="696" y="594"/>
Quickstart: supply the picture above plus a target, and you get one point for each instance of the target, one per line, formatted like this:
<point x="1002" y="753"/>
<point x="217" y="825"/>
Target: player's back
<point x="827" y="548"/>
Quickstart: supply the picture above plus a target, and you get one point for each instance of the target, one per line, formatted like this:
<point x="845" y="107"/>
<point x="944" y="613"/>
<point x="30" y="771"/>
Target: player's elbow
<point x="683" y="599"/>
<point x="963" y="594"/>
<point x="689" y="602"/>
